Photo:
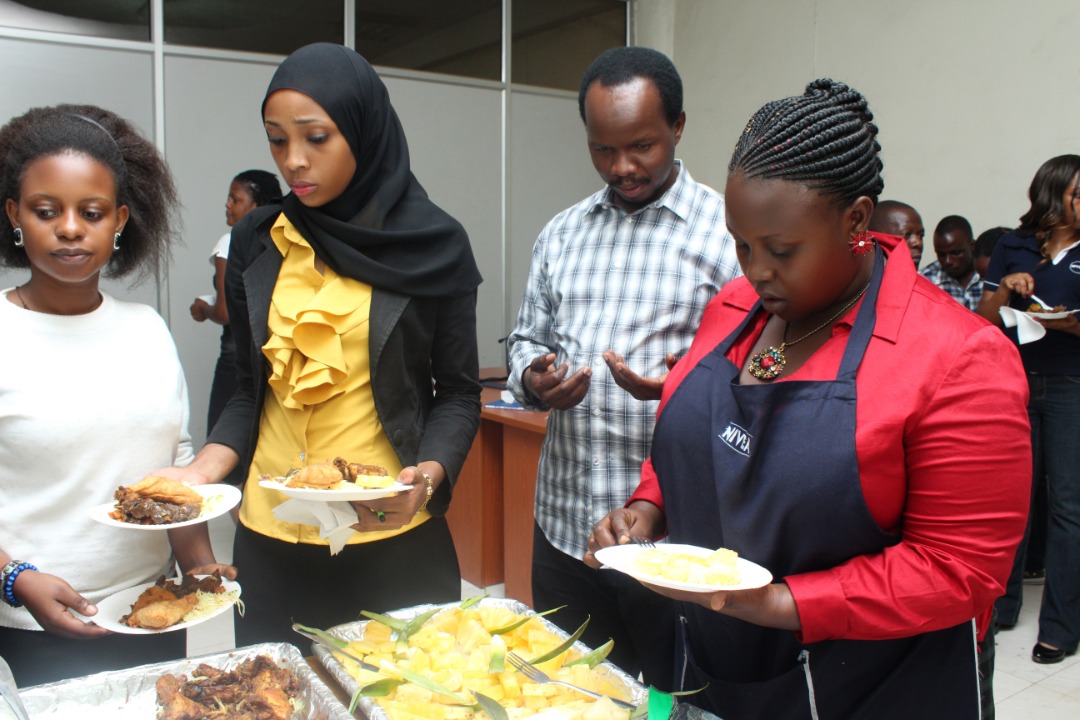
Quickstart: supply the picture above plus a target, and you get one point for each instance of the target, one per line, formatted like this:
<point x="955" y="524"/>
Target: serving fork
<point x="537" y="675"/>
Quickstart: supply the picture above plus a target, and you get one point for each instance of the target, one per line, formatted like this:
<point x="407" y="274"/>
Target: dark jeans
<point x="1054" y="410"/>
<point x="619" y="608"/>
<point x="221" y="391"/>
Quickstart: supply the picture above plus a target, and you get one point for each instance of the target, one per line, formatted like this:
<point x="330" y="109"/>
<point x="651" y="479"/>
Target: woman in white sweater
<point x="92" y="395"/>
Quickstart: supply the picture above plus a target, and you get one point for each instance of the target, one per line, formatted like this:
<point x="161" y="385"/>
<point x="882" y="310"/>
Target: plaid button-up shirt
<point x="968" y="295"/>
<point x="636" y="283"/>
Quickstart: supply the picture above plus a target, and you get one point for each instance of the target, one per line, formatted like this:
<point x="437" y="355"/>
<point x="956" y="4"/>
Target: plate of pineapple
<point x="448" y="662"/>
<point x="685" y="567"/>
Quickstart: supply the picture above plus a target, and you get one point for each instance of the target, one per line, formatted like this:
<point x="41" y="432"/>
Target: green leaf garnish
<point x="411" y="627"/>
<point x="380" y="687"/>
<point x="424" y="682"/>
<point x="470" y="601"/>
<point x="515" y="625"/>
<point x="324" y="636"/>
<point x="566" y="645"/>
<point x="490" y="706"/>
<point x="391" y="622"/>
<point x="595" y="657"/>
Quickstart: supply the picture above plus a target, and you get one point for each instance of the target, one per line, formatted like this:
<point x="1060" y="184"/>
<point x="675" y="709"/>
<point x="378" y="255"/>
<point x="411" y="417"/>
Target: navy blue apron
<point x="787" y="496"/>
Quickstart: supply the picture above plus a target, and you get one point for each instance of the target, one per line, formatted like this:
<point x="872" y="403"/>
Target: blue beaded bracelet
<point x="9" y="582"/>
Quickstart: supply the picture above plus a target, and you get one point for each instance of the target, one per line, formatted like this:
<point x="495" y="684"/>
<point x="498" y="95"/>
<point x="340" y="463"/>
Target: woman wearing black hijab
<point x="353" y="308"/>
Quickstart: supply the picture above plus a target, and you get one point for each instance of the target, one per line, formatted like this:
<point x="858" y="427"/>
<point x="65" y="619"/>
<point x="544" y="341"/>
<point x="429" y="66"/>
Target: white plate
<point x="229" y="498"/>
<point x="114" y="607"/>
<point x="620" y="557"/>
<point x="343" y="494"/>
<point x="1052" y="315"/>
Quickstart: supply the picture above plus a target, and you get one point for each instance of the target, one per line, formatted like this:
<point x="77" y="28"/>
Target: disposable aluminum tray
<point x="129" y="694"/>
<point x="372" y="710"/>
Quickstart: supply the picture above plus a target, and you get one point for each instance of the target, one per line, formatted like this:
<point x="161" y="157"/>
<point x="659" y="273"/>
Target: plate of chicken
<point x="157" y="503"/>
<point x="334" y="481"/>
<point x="166" y="605"/>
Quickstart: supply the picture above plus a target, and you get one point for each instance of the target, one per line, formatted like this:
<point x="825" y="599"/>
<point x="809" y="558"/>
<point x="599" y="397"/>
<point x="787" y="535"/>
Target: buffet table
<point x="491" y="516"/>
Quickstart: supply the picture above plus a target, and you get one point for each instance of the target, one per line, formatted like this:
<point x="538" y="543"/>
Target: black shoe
<point x="1003" y="626"/>
<point x="1047" y="656"/>
<point x="1034" y="577"/>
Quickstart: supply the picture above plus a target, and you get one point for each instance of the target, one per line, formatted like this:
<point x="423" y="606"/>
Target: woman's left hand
<point x="393" y="512"/>
<point x="770" y="606"/>
<point x="1069" y="324"/>
<point x="227" y="571"/>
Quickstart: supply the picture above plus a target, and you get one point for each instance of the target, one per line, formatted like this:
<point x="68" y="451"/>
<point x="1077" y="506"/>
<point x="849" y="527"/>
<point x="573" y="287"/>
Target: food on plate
<point x="165" y="603"/>
<point x="461" y="649"/>
<point x="716" y="568"/>
<point x="156" y="501"/>
<point x="321" y="476"/>
<point x="330" y="475"/>
<point x="1035" y="307"/>
<point x="258" y="689"/>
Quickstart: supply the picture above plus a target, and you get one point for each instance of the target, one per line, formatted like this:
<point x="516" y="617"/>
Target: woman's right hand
<point x="640" y="519"/>
<point x="200" y="310"/>
<point x="1021" y="283"/>
<point x="48" y="598"/>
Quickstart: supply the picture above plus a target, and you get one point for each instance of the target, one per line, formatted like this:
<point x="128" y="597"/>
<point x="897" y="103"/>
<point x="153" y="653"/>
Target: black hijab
<point x="382" y="230"/>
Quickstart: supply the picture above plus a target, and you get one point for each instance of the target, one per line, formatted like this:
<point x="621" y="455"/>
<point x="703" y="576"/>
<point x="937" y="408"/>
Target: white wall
<point x="970" y="96"/>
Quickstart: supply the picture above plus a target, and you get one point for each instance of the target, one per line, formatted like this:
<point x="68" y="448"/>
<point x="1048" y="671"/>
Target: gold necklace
<point x="18" y="293"/>
<point x="770" y="361"/>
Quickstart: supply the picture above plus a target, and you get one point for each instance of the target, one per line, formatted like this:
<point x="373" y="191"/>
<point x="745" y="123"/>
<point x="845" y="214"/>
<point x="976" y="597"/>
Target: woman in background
<point x="353" y="306"/>
<point x="92" y="395"/>
<point x="248" y="190"/>
<point x="1042" y="257"/>
<point x="814" y="427"/>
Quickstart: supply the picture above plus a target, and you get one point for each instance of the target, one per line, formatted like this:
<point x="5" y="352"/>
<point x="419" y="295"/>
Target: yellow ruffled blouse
<point x="320" y="403"/>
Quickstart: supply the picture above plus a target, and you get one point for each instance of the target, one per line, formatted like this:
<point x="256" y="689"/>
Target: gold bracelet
<point x="430" y="489"/>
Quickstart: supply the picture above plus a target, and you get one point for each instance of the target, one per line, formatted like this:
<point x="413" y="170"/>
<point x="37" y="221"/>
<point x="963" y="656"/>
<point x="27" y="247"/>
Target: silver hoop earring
<point x="116" y="242"/>
<point x="18" y="237"/>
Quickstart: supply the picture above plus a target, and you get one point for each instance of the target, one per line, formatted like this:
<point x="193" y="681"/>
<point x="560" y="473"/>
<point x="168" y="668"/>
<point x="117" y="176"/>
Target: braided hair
<point x="143" y="181"/>
<point x="262" y="185"/>
<point x="825" y="138"/>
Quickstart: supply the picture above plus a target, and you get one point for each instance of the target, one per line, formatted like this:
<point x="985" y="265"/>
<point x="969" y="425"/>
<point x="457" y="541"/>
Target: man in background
<point x="630" y="267"/>
<point x="896" y="218"/>
<point x="954" y="270"/>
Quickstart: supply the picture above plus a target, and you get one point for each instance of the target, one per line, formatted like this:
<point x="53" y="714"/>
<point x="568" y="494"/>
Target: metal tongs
<point x="319" y="641"/>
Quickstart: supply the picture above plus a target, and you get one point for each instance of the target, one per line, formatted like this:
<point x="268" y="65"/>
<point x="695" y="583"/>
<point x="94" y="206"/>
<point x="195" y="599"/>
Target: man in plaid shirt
<point x="954" y="270"/>
<point x="629" y="269"/>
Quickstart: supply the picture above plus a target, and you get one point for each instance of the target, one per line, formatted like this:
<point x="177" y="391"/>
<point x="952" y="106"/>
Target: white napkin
<point x="1027" y="330"/>
<point x="334" y="519"/>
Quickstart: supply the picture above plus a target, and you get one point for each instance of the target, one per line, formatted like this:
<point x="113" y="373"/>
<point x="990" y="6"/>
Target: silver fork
<point x="537" y="675"/>
<point x="643" y="542"/>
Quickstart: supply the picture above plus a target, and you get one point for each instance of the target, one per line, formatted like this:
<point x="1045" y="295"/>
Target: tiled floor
<point x="1022" y="688"/>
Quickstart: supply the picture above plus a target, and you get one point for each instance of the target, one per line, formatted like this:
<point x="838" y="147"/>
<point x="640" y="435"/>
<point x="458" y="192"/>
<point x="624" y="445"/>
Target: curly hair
<point x="263" y="186"/>
<point x="1046" y="191"/>
<point x="825" y="138"/>
<point x="620" y="65"/>
<point x="143" y="181"/>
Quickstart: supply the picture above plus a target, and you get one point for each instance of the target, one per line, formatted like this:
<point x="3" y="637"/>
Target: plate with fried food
<point x="334" y="481"/>
<point x="165" y="605"/>
<point x="157" y="503"/>
<point x="685" y="567"/>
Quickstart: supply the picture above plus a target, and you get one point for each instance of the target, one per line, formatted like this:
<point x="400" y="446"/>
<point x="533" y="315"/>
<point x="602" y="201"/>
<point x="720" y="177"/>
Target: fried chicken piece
<point x="174" y="704"/>
<point x="165" y="490"/>
<point x="322" y="476"/>
<point x="162" y="613"/>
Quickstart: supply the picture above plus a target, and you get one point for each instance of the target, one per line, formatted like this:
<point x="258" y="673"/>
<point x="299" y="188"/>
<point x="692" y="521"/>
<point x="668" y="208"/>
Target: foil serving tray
<point x="130" y="695"/>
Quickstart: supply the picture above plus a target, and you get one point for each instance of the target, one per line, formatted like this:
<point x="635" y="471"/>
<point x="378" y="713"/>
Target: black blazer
<point x="424" y="365"/>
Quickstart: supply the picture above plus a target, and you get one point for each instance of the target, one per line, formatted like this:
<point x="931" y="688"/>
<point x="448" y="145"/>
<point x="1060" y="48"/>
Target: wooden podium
<point x="491" y="515"/>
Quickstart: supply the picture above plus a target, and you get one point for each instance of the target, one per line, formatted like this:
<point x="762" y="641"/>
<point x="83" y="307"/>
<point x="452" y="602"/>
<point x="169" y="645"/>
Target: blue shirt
<point x="1057" y="281"/>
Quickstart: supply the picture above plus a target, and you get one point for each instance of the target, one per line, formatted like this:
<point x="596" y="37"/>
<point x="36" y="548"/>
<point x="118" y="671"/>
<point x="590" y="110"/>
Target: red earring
<point x="861" y="243"/>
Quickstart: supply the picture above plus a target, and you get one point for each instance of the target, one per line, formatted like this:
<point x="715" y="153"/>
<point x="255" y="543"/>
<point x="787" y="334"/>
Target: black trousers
<point x="39" y="657"/>
<point x="285" y="582"/>
<point x="641" y="623"/>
